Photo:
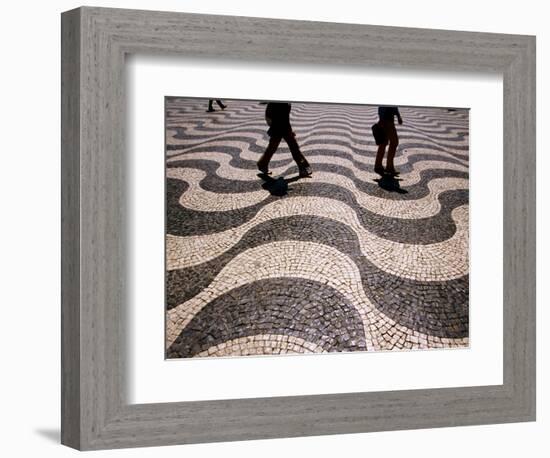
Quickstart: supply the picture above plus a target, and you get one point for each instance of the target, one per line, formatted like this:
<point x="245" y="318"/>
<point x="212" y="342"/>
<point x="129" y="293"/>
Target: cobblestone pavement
<point x="340" y="261"/>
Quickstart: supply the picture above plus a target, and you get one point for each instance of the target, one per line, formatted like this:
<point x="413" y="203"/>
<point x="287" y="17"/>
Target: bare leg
<point x="263" y="163"/>
<point x="394" y="142"/>
<point x="379" y="156"/>
<point x="378" y="168"/>
<point x="391" y="154"/>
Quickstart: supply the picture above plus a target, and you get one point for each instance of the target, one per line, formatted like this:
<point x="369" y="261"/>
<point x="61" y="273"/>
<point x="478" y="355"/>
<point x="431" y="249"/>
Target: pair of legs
<point x="391" y="137"/>
<point x="274" y="141"/>
<point x="218" y="101"/>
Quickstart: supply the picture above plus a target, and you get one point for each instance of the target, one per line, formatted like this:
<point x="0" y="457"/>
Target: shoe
<point x="223" y="107"/>
<point x="263" y="169"/>
<point x="379" y="170"/>
<point x="210" y="110"/>
<point x="304" y="171"/>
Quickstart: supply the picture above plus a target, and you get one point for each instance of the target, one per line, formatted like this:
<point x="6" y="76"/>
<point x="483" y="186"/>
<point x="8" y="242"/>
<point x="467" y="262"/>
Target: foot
<point x="391" y="171"/>
<point x="379" y="169"/>
<point x="304" y="171"/>
<point x="263" y="169"/>
<point x="223" y="107"/>
<point x="210" y="110"/>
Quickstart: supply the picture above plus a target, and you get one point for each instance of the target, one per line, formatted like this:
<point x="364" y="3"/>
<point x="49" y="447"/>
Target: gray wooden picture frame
<point x="95" y="411"/>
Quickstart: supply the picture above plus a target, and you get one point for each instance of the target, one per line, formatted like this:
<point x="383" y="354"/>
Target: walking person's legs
<point x="299" y="158"/>
<point x="272" y="146"/>
<point x="210" y="107"/>
<point x="394" y="142"/>
<point x="220" y="104"/>
<point x="382" y="142"/>
<point x="378" y="167"/>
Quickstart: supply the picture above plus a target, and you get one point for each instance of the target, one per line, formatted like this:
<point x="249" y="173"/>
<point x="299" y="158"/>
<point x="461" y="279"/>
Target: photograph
<point x="304" y="227"/>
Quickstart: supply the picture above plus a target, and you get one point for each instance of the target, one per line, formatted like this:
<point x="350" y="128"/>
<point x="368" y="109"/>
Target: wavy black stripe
<point x="293" y="307"/>
<point x="435" y="308"/>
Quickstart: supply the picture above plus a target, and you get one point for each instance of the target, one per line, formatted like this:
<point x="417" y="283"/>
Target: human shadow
<point x="277" y="186"/>
<point x="391" y="184"/>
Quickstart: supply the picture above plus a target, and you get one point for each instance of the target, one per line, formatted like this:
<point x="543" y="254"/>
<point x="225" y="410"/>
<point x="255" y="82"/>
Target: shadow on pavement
<point x="391" y="184"/>
<point x="277" y="186"/>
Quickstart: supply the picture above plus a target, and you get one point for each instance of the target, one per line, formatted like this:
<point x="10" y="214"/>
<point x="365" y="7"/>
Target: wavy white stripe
<point x="262" y="344"/>
<point x="436" y="122"/>
<point x="359" y="130"/>
<point x="354" y="112"/>
<point x="229" y="172"/>
<point x="198" y="199"/>
<point x="439" y="261"/>
<point x="192" y="136"/>
<point x="306" y="260"/>
<point x="245" y="153"/>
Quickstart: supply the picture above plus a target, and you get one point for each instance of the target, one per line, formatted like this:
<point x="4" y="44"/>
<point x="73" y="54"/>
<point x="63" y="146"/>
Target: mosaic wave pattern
<point x="341" y="261"/>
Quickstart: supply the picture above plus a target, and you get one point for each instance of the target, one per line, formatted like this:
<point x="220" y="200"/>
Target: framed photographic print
<point x="270" y="253"/>
<point x="249" y="204"/>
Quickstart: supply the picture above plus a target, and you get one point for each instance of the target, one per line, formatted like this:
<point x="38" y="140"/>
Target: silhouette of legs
<point x="378" y="167"/>
<point x="299" y="158"/>
<point x="391" y="133"/>
<point x="218" y="101"/>
<point x="391" y="136"/>
<point x="272" y="146"/>
<point x="297" y="155"/>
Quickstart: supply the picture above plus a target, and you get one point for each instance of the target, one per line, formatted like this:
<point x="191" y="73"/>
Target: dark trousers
<point x="290" y="140"/>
